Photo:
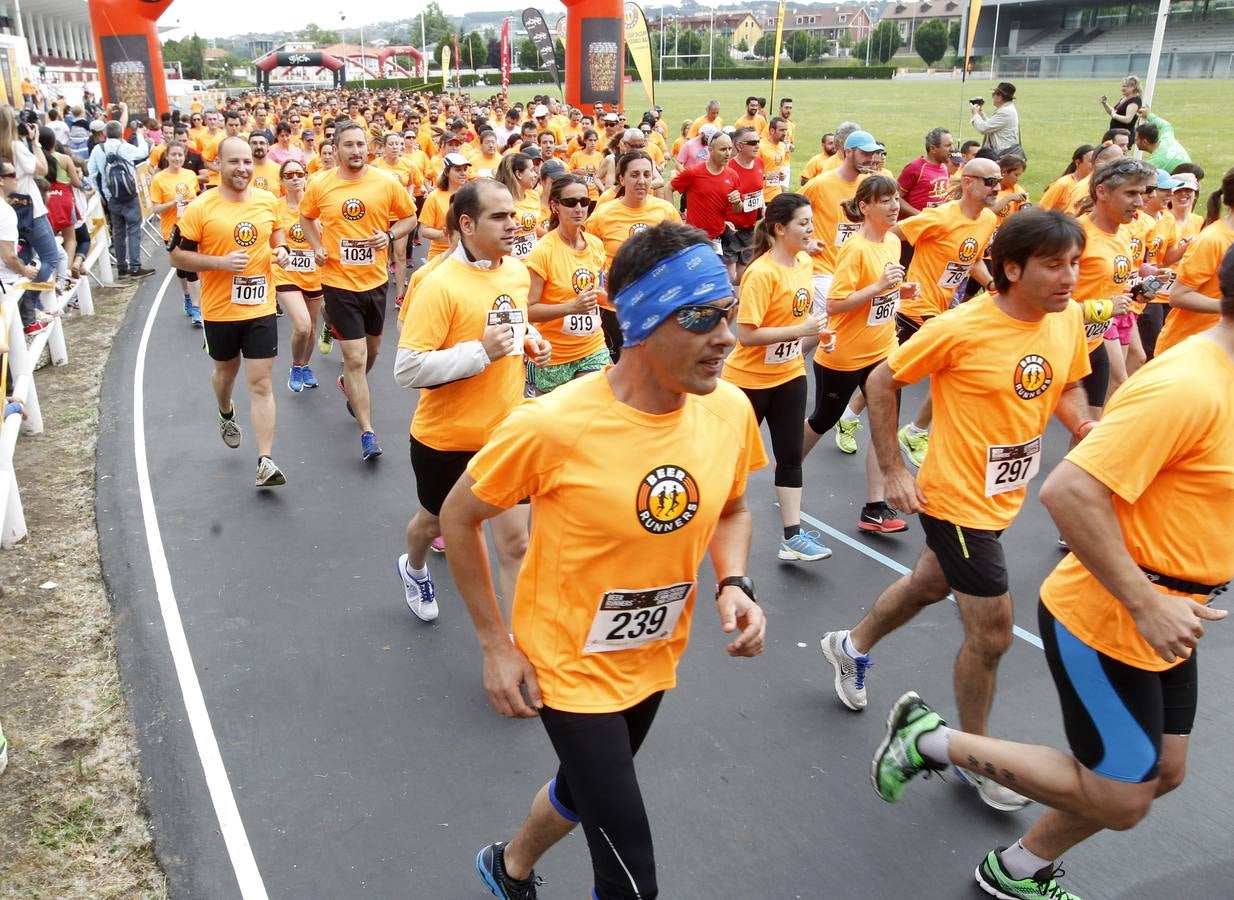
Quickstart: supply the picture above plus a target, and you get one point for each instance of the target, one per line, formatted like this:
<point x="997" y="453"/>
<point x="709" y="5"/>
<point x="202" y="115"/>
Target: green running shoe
<point x="326" y="342"/>
<point x="846" y="435"/>
<point x="915" y="445"/>
<point x="994" y="880"/>
<point x="896" y="761"/>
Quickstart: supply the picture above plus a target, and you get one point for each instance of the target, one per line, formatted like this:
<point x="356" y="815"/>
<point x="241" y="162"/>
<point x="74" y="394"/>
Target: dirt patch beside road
<point x="72" y="822"/>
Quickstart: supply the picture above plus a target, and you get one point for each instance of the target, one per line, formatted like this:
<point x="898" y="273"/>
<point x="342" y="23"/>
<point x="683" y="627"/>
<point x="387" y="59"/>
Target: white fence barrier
<point x="23" y="358"/>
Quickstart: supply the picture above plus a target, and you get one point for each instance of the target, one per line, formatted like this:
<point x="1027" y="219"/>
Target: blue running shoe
<point x="490" y="863"/>
<point x="370" y="448"/>
<point x="307" y="376"/>
<point x="188" y="305"/>
<point x="804" y="545"/>
<point x="295" y="380"/>
<point x="196" y="316"/>
<point x="421" y="595"/>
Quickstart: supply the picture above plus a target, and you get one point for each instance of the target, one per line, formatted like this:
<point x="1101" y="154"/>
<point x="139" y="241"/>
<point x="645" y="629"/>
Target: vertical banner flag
<point x="639" y="42"/>
<point x="537" y="30"/>
<point x="559" y="31"/>
<point x="458" y="65"/>
<point x="505" y="58"/>
<point x="775" y="64"/>
<point x="445" y="69"/>
<point x="974" y="13"/>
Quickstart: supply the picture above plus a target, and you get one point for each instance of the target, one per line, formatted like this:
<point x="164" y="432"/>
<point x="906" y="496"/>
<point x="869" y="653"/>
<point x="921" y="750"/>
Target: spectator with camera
<point x="1001" y="129"/>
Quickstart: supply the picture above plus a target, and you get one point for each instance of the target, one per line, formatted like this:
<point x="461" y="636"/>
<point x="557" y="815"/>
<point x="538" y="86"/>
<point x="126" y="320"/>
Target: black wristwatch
<point x="745" y="582"/>
<point x="390" y="237"/>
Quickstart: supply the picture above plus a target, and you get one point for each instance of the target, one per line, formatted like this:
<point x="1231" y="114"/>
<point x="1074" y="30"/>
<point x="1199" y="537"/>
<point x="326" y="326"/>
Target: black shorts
<point x="1115" y="713"/>
<point x="436" y="471"/>
<point x="972" y="560"/>
<point x="253" y="338"/>
<point x="906" y="327"/>
<point x="1097" y="382"/>
<point x="292" y="289"/>
<point x="356" y="314"/>
<point x="737" y="246"/>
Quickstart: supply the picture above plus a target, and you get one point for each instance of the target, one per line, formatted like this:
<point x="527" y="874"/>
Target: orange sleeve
<point x="519" y="460"/>
<point x="429" y="328"/>
<point x="758" y="285"/>
<point x="928" y="352"/>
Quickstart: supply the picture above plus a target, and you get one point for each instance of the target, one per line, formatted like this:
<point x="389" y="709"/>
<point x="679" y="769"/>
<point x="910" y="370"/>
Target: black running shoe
<point x="491" y="864"/>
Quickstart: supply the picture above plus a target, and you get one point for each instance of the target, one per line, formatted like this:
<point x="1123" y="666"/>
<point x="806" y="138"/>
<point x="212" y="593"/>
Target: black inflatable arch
<point x="291" y="59"/>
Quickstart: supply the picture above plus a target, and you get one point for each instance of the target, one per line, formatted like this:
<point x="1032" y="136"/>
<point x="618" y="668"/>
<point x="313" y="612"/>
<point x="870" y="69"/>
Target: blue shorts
<point x="1115" y="713"/>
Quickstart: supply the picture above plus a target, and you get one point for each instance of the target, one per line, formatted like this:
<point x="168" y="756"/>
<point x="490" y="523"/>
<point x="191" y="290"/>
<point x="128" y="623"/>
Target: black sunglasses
<point x="12" y="174"/>
<point x="571" y="202"/>
<point x="700" y="318"/>
<point x="987" y="180"/>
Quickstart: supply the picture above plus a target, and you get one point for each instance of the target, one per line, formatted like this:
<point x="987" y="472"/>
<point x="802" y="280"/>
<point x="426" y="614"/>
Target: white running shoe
<point x="850" y="674"/>
<point x="421" y="595"/>
<point x="993" y="794"/>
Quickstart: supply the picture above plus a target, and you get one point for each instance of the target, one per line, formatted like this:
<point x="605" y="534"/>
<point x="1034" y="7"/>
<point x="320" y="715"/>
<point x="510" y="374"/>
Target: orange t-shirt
<point x="1162" y="239"/>
<point x="301" y="270"/>
<point x="433" y="214"/>
<point x="1106" y="270"/>
<point x="826" y="192"/>
<point x="1013" y="206"/>
<point x="221" y="226"/>
<point x="946" y="244"/>
<point x="352" y="210"/>
<point x="528" y="214"/>
<point x="455" y="305"/>
<point x="775" y="170"/>
<point x="568" y="272"/>
<point x="587" y="165"/>
<point x="772" y="296"/>
<point x="814" y="166"/>
<point x="1079" y="191"/>
<point x="266" y="177"/>
<point x="995" y="382"/>
<point x="208" y="147"/>
<point x="1198" y="270"/>
<point x="413" y="285"/>
<point x="867" y="334"/>
<point x="483" y="166"/>
<point x="1163" y="448"/>
<point x="614" y="223"/>
<point x="401" y="169"/>
<point x="698" y="123"/>
<point x="1058" y="194"/>
<point x="165" y="187"/>
<point x="624" y="505"/>
<point x="758" y="123"/>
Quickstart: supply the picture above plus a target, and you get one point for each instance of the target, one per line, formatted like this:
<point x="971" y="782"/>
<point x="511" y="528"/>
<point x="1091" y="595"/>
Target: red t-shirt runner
<point x="707" y="205"/>
<point x="923" y="183"/>
<point x="750" y="185"/>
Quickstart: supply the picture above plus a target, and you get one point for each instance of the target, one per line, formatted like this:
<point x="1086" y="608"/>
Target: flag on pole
<point x="974" y="13"/>
<point x="505" y="58"/>
<point x="445" y="69"/>
<point x="537" y="31"/>
<point x="775" y="64"/>
<point x="639" y="41"/>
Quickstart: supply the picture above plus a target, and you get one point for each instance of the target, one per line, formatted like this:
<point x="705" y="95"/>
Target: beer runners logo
<point x="637" y="227"/>
<point x="1122" y="269"/>
<point x="527" y="222"/>
<point x="801" y="302"/>
<point x="353" y="209"/>
<point x="245" y="234"/>
<point x="504" y="301"/>
<point x="968" y="250"/>
<point x="667" y="499"/>
<point x="260" y="181"/>
<point x="1137" y="244"/>
<point x="296" y="233"/>
<point x="1033" y="376"/>
<point x="582" y="280"/>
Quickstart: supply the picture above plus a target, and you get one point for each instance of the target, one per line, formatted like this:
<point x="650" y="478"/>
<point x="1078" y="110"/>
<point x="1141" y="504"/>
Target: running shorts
<point x="356" y="314"/>
<point x="436" y="472"/>
<point x="971" y="559"/>
<point x="253" y="338"/>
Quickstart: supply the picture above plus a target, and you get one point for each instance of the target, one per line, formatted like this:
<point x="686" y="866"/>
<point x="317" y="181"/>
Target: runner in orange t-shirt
<point x="999" y="366"/>
<point x="775" y="315"/>
<point x="171" y="191"/>
<point x="466" y="346"/>
<point x="1120" y="618"/>
<point x="298" y="284"/>
<point x="634" y="474"/>
<point x="861" y="311"/>
<point x="231" y="235"/>
<point x="362" y="213"/>
<point x="1195" y="294"/>
<point x="433" y="214"/>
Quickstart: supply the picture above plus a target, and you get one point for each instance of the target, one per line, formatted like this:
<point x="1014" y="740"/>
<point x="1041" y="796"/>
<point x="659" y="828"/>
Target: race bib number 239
<point x="630" y="619"/>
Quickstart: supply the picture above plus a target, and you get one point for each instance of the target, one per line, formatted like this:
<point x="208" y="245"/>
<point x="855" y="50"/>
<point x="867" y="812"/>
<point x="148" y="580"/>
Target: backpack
<point x="120" y="178"/>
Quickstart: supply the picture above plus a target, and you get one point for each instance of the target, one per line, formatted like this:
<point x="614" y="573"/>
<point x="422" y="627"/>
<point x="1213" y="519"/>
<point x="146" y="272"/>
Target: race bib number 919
<point x="630" y="619"/>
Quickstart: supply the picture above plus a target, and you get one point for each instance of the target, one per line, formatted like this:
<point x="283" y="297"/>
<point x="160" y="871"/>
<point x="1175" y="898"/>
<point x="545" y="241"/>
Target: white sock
<point x="849" y="647"/>
<point x="933" y="746"/>
<point x="849" y="416"/>
<point x="418" y="574"/>
<point x="1021" y="863"/>
<point x="914" y="430"/>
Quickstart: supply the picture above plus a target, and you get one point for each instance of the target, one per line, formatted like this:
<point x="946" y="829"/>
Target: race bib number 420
<point x="248" y="290"/>
<point x="356" y="252"/>
<point x="1010" y="467"/>
<point x="301" y="261"/>
<point x="630" y="619"/>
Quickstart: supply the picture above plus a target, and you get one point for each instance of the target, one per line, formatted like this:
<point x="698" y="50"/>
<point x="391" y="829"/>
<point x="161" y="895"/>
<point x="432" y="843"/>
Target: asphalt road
<point x="359" y="749"/>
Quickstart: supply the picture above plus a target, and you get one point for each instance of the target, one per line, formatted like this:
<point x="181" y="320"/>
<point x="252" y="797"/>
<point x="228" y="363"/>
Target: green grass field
<point x="1055" y="116"/>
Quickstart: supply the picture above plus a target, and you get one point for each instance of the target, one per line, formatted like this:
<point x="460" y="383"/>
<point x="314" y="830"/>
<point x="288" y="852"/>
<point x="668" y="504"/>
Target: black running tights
<point x="783" y="406"/>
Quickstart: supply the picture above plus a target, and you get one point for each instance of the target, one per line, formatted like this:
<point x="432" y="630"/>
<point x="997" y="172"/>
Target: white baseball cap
<point x="539" y="111"/>
<point x="456" y="159"/>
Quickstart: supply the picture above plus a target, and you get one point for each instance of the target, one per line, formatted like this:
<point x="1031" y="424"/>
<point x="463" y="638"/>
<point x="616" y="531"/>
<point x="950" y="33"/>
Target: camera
<point x="978" y="101"/>
<point x="1149" y="288"/>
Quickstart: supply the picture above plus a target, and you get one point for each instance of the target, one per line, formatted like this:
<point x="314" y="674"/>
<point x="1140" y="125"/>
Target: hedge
<point x="468" y="79"/>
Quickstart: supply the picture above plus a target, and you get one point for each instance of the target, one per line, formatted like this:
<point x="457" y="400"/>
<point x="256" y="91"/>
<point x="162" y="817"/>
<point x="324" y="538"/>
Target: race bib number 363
<point x="630" y="619"/>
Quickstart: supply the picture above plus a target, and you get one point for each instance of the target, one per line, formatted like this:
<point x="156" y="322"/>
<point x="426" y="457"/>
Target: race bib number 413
<point x="630" y="619"/>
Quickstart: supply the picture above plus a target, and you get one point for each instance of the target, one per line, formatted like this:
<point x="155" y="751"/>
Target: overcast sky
<point x="222" y="18"/>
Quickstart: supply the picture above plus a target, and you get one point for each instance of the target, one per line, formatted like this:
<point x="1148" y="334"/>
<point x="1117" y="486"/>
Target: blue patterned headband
<point x="694" y="275"/>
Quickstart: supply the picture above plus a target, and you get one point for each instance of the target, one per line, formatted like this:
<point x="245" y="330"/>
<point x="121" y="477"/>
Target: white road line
<point x="242" y="861"/>
<point x="1026" y="636"/>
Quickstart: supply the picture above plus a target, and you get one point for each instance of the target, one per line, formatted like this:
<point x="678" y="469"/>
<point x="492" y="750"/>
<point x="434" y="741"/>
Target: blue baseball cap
<point x="862" y="140"/>
<point x="1165" y="181"/>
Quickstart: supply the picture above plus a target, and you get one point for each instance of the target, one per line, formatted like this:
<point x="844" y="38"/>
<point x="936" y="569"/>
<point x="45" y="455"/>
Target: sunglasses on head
<point x="292" y="173"/>
<point x="987" y="180"/>
<point x="571" y="202"/>
<point x="700" y="318"/>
